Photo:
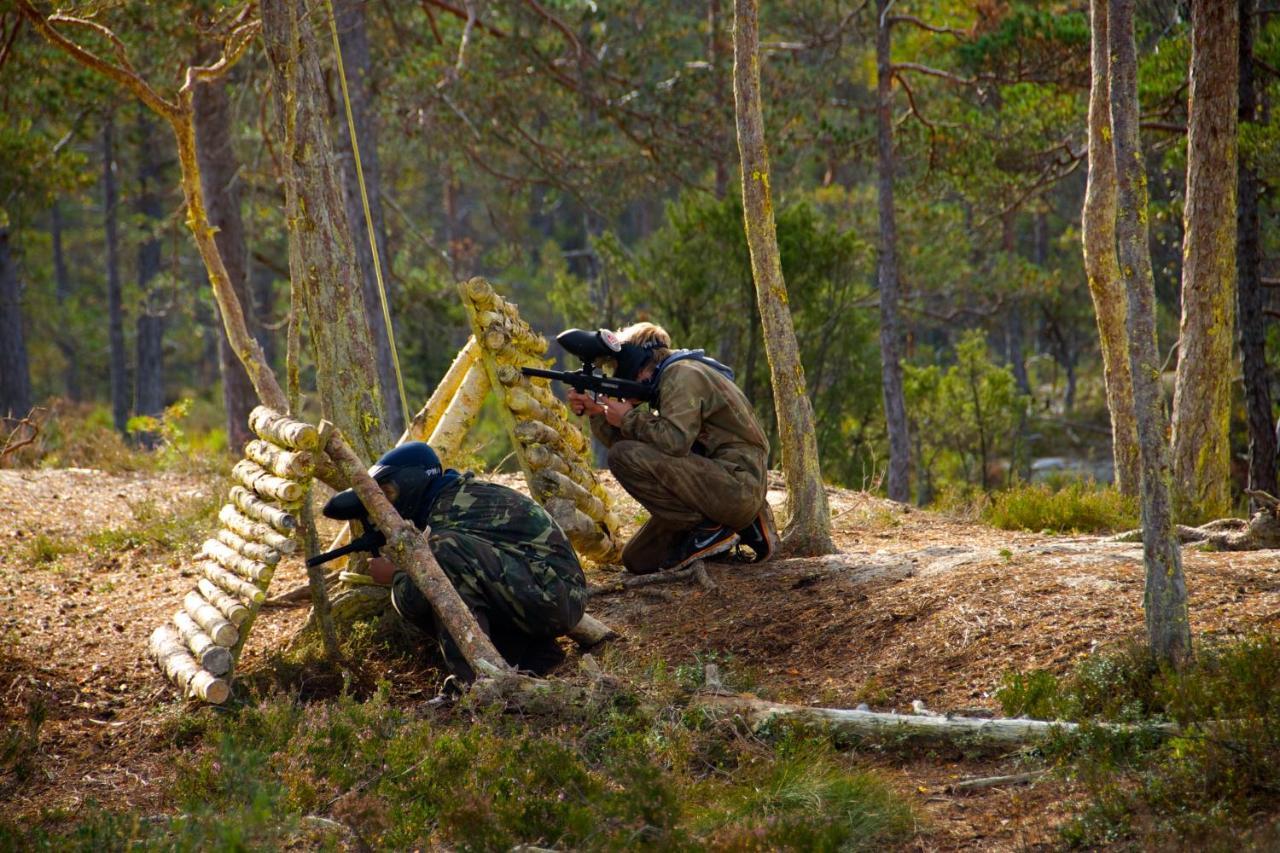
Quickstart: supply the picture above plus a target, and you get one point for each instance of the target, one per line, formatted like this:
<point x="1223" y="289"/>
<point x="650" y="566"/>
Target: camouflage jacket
<point x="701" y="411"/>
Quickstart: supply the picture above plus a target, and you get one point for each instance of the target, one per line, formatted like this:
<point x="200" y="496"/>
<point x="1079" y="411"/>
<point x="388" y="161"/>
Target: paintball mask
<point x="592" y="346"/>
<point x="410" y="469"/>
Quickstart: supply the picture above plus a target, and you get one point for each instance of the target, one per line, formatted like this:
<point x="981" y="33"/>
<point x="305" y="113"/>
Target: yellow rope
<point x="368" y="217"/>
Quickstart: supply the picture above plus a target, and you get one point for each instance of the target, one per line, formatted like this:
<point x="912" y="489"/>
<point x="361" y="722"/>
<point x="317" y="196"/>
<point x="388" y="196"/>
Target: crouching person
<point x="507" y="558"/>
<point x="697" y="459"/>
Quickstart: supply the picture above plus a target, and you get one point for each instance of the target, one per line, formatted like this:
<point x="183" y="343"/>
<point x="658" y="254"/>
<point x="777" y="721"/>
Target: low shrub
<point x="1076" y="507"/>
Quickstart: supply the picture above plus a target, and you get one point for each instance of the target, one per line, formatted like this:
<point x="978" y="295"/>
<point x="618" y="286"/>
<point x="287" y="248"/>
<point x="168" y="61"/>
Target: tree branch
<point x="557" y="23"/>
<point x="932" y="72"/>
<point x="933" y="28"/>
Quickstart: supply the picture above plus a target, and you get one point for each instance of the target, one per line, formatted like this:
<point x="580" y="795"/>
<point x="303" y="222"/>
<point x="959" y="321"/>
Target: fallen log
<point x="995" y="781"/>
<point x="232" y="583"/>
<point x="213" y="658"/>
<point x="289" y="464"/>
<point x="210" y="619"/>
<point x="248" y="550"/>
<point x="253" y="476"/>
<point x="451" y="429"/>
<point x="259" y="510"/>
<point x="232" y="608"/>
<point x="695" y="571"/>
<point x="425" y="421"/>
<point x="247" y="528"/>
<point x="591" y="632"/>
<point x="175" y="661"/>
<point x="283" y="431"/>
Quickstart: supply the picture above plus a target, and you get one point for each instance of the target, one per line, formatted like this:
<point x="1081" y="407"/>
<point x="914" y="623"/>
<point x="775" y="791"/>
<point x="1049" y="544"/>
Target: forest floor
<point x="917" y="606"/>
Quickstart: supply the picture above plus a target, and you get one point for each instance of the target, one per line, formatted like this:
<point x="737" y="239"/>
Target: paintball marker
<point x="371" y="540"/>
<point x="591" y="346"/>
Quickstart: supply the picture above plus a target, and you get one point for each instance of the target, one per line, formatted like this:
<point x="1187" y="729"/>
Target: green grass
<point x="1076" y="507"/>
<point x="44" y="549"/>
<point x="159" y="529"/>
<point x="1215" y="782"/>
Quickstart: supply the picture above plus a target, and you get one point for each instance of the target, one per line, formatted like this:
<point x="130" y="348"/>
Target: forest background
<point x="582" y="155"/>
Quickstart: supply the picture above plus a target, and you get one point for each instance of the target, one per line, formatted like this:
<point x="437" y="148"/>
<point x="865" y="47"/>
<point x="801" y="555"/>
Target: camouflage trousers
<point x="521" y="606"/>
<point x="680" y="493"/>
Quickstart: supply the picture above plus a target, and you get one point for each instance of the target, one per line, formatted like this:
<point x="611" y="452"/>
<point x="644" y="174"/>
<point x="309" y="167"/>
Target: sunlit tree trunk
<point x="218" y="176"/>
<point x="895" y="406"/>
<point x="1251" y="316"/>
<point x="15" y="372"/>
<point x="322" y="258"/>
<point x="809" y="525"/>
<point x="1202" y="393"/>
<point x="115" y="305"/>
<point x="1098" y="230"/>
<point x="1165" y="597"/>
<point x="66" y="339"/>
<point x="353" y="36"/>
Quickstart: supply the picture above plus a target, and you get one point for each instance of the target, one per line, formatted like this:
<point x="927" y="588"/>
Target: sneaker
<point x="703" y="541"/>
<point x="761" y="536"/>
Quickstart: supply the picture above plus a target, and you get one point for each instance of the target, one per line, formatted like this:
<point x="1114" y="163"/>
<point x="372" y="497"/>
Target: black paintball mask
<point x="412" y="471"/>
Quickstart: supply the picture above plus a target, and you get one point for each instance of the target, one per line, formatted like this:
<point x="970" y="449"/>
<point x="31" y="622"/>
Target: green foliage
<point x="47" y="549"/>
<point x="1201" y="787"/>
<point x="157" y="528"/>
<point x="1076" y="507"/>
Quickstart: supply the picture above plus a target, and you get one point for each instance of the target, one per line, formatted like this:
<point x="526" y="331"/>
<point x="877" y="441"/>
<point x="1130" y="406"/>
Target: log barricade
<point x="199" y="649"/>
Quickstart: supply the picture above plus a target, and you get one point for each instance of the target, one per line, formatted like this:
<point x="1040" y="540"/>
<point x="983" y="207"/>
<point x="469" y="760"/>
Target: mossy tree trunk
<point x="1202" y="393"/>
<point x="895" y="406"/>
<point x="1165" y="597"/>
<point x="322" y="261"/>
<point x="1098" y="232"/>
<point x="1251" y="301"/>
<point x="808" y="528"/>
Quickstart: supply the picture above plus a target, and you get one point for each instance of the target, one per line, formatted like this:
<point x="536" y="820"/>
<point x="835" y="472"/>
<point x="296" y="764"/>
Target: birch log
<point x="210" y="619"/>
<point x="289" y="464"/>
<point x="267" y="485"/>
<point x="284" y="431"/>
<point x="480" y="293"/>
<point x="540" y="456"/>
<point x="553" y="483"/>
<point x="451" y="430"/>
<point x="173" y="658"/>
<point x="591" y="632"/>
<point x="212" y="657"/>
<point x="259" y="510"/>
<point x="247" y="528"/>
<point x="232" y="583"/>
<point x="424" y="423"/>
<point x="259" y="573"/>
<point x="536" y="432"/>
<point x="249" y="550"/>
<point x="234" y="610"/>
<point x="522" y="403"/>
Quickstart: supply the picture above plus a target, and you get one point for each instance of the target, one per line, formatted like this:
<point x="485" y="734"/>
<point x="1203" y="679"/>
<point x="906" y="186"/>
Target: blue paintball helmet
<point x="412" y="468"/>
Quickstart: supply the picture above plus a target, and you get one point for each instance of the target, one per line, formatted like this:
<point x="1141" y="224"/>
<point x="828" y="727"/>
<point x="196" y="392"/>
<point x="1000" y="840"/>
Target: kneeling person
<point x="507" y="558"/>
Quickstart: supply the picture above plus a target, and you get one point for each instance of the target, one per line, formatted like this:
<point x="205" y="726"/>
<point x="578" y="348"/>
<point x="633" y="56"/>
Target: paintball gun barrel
<point x="589" y="347"/>
<point x="371" y="540"/>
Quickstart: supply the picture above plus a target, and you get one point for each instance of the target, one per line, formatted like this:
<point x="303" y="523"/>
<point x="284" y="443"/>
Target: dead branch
<point x="925" y="25"/>
<point x="995" y="781"/>
<point x="697" y="572"/>
<point x="1259" y="533"/>
<point x="12" y="444"/>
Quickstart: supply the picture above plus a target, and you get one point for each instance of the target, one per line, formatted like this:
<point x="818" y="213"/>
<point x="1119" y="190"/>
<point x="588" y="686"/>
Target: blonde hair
<point x="648" y="334"/>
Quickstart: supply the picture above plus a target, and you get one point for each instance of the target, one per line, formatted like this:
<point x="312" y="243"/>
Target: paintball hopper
<point x="602" y="343"/>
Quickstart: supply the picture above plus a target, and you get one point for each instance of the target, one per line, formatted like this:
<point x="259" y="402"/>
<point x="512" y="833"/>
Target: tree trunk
<point x="1202" y="393"/>
<point x="809" y="525"/>
<point x="66" y="338"/>
<point x="1251" y="297"/>
<point x="218" y="168"/>
<point x="149" y="339"/>
<point x="115" y="306"/>
<point x="1098" y="230"/>
<point x="353" y="35"/>
<point x="15" y="372"/>
<point x="1165" y="597"/>
<point x="322" y="259"/>
<point x="895" y="406"/>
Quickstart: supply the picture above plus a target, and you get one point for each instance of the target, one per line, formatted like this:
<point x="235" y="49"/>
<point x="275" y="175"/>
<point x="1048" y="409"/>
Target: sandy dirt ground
<point x="917" y="606"/>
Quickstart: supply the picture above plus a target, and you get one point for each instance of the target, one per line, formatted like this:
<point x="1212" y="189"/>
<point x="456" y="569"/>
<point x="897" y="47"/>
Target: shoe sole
<point x="771" y="538"/>
<point x="709" y="551"/>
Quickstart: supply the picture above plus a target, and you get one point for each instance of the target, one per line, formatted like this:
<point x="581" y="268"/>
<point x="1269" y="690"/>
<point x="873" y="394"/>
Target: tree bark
<point x="115" y="305"/>
<point x="809" y="525"/>
<point x="322" y="259"/>
<point x="148" y="378"/>
<point x="1250" y="294"/>
<point x="353" y="36"/>
<point x="1098" y="232"/>
<point x="1202" y="393"/>
<point x="895" y="406"/>
<point x="66" y="338"/>
<point x="1165" y="596"/>
<point x="15" y="371"/>
<point x="218" y="176"/>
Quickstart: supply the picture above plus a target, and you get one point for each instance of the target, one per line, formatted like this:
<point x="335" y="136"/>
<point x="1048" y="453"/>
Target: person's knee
<point x="630" y="458"/>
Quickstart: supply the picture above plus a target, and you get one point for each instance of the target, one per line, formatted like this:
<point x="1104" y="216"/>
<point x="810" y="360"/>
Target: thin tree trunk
<point x="218" y="176"/>
<point x="1165" y="597"/>
<point x="149" y="338"/>
<point x="353" y="36"/>
<point x="895" y="406"/>
<point x="66" y="338"/>
<point x="115" y="305"/>
<point x="15" y="372"/>
<point x="321" y="256"/>
<point x="1098" y="231"/>
<point x="716" y="51"/>
<point x="809" y="524"/>
<point x="1251" y="297"/>
<point x="1202" y="393"/>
